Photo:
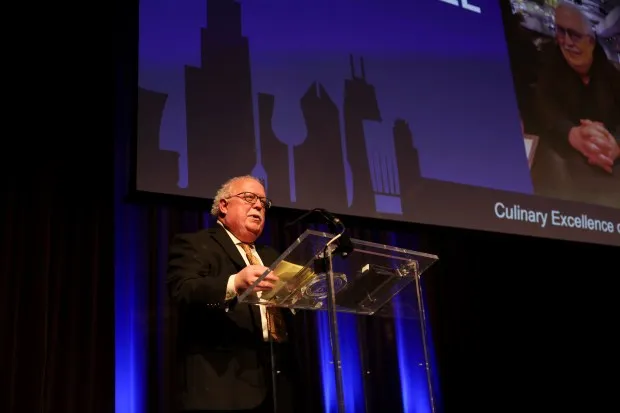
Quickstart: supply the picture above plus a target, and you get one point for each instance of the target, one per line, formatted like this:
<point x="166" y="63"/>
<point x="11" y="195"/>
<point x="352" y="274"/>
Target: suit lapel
<point x="220" y="236"/>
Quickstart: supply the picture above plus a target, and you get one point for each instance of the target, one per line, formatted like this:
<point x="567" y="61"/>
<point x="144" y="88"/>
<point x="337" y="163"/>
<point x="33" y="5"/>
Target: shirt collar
<point x="234" y="239"/>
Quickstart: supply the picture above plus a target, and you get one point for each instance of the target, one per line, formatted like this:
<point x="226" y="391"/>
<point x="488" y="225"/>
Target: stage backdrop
<point x="406" y="111"/>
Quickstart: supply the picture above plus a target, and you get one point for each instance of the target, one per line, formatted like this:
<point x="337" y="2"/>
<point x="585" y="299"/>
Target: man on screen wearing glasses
<point x="578" y="93"/>
<point x="223" y="345"/>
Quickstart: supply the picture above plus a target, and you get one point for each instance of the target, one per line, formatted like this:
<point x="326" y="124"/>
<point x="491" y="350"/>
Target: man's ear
<point x="223" y="206"/>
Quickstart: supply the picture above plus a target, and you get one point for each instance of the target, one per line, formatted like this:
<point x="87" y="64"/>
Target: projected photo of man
<point x="574" y="104"/>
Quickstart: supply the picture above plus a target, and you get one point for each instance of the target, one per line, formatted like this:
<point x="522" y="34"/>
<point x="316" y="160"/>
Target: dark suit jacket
<point x="219" y="342"/>
<point x="562" y="98"/>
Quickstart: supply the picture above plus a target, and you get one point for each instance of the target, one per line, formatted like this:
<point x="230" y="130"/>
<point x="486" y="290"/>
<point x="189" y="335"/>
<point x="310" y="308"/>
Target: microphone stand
<point x="343" y="247"/>
<point x="333" y="323"/>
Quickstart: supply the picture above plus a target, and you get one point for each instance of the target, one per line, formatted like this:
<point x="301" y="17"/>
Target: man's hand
<point x="595" y="142"/>
<point x="248" y="275"/>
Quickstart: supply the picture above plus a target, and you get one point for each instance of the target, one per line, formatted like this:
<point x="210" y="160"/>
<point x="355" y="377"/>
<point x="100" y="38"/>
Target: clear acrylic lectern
<point x="315" y="274"/>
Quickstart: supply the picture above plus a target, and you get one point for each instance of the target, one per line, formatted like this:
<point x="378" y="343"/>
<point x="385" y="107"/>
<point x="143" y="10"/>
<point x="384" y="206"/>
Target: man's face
<point x="576" y="45"/>
<point x="244" y="219"/>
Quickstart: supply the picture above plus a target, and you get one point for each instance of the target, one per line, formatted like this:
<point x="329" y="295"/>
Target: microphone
<point x="345" y="246"/>
<point x="336" y="222"/>
<point x="328" y="216"/>
<point x="301" y="217"/>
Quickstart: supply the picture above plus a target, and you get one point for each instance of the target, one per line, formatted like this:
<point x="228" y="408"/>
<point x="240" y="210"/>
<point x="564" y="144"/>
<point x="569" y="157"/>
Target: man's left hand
<point x="609" y="151"/>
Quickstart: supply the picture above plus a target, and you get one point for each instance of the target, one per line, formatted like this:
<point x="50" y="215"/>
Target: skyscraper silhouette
<point x="274" y="152"/>
<point x="219" y="107"/>
<point x="360" y="104"/>
<point x="319" y="170"/>
<point x="157" y="170"/>
<point x="408" y="163"/>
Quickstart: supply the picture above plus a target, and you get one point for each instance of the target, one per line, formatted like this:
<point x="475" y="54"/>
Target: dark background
<point x="520" y="324"/>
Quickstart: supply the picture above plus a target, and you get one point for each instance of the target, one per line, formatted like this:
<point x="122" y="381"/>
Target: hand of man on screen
<point x="595" y="142"/>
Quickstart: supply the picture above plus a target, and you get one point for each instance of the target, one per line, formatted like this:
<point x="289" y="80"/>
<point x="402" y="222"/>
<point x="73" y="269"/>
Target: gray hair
<point x="585" y="20"/>
<point x="225" y="191"/>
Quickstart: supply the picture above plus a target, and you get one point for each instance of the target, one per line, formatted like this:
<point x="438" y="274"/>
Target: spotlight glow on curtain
<point x="351" y="367"/>
<point x="350" y="356"/>
<point x="409" y="342"/>
<point x="130" y="339"/>
<point x="130" y="291"/>
<point x="411" y="363"/>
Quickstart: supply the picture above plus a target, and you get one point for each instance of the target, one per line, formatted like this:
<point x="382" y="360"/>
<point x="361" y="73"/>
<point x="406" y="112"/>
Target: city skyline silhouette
<point x="343" y="146"/>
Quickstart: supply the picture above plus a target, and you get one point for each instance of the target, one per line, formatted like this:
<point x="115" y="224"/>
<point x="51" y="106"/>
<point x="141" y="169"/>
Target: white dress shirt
<point x="230" y="287"/>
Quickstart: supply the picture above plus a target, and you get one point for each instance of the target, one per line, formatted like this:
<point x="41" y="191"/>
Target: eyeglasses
<point x="574" y="35"/>
<point x="251" y="198"/>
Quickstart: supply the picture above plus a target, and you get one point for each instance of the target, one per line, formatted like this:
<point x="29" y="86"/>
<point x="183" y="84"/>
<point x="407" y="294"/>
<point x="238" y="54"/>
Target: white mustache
<point x="570" y="49"/>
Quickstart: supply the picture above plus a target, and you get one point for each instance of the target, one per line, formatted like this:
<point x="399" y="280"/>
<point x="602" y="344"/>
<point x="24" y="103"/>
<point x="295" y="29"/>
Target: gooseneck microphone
<point x="345" y="246"/>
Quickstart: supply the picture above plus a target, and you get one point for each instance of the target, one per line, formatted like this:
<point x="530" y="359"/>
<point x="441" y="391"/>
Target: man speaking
<point x="223" y="345"/>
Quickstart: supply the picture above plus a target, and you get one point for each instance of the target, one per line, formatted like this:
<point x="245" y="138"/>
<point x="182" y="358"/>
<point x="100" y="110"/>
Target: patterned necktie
<point x="275" y="320"/>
